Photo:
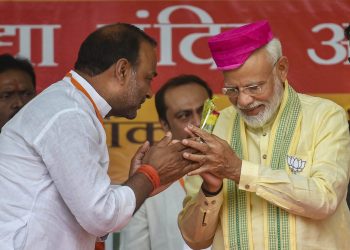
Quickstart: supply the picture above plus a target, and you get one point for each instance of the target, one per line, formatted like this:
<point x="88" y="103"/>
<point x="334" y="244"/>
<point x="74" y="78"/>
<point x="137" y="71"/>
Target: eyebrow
<point x="189" y="110"/>
<point x="247" y="85"/>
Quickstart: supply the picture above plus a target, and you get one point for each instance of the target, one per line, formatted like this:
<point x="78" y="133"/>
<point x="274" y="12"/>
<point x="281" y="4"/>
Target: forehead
<point x="147" y="60"/>
<point x="187" y="96"/>
<point x="255" y="69"/>
<point x="15" y="78"/>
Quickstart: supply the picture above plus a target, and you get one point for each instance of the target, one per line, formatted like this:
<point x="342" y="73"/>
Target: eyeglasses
<point x="251" y="90"/>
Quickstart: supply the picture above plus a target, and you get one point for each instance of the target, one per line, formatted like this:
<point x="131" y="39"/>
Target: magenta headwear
<point x="232" y="48"/>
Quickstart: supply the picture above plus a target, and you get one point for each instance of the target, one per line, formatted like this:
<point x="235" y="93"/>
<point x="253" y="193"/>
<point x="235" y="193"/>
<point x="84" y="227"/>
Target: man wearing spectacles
<point x="276" y="170"/>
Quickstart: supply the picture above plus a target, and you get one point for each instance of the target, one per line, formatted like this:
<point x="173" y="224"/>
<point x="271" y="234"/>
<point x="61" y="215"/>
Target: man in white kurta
<point x="54" y="188"/>
<point x="52" y="172"/>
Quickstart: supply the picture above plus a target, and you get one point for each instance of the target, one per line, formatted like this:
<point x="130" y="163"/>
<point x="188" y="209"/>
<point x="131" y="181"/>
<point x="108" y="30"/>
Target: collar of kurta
<point x="101" y="104"/>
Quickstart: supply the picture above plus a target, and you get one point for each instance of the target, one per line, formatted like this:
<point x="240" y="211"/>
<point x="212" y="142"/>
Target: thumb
<point x="166" y="139"/>
<point x="140" y="153"/>
<point x="137" y="158"/>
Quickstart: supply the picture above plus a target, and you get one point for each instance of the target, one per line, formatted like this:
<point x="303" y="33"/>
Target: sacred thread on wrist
<point x="208" y="193"/>
<point x="151" y="173"/>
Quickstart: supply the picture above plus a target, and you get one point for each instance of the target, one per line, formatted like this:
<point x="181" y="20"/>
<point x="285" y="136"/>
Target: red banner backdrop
<point x="49" y="33"/>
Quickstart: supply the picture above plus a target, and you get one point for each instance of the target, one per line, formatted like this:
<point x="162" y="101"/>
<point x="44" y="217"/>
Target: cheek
<point x="263" y="98"/>
<point x="27" y="99"/>
<point x="178" y="126"/>
<point x="5" y="107"/>
<point x="5" y="112"/>
<point x="233" y="100"/>
<point x="267" y="96"/>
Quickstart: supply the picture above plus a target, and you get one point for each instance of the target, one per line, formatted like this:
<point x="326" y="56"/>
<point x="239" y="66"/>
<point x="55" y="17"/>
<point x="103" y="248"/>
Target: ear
<point x="165" y="126"/>
<point x="282" y="68"/>
<point x="121" y="68"/>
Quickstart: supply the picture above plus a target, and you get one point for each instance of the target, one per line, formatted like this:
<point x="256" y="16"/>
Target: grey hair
<point x="274" y="49"/>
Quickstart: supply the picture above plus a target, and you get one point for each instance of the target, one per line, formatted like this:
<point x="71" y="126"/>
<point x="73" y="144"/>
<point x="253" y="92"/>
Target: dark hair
<point x="347" y="32"/>
<point x="173" y="83"/>
<point x="108" y="44"/>
<point x="8" y="62"/>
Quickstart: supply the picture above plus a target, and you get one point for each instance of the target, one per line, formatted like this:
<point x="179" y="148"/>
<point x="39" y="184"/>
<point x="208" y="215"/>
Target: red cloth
<point x="99" y="246"/>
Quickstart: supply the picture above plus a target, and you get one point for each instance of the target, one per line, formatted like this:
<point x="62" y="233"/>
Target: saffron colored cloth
<point x="316" y="195"/>
<point x="54" y="188"/>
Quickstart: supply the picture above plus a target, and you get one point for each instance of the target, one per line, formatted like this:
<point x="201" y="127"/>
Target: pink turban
<point x="232" y="48"/>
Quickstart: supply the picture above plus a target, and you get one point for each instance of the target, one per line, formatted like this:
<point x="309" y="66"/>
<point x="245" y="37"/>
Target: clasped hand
<point x="216" y="158"/>
<point x="166" y="157"/>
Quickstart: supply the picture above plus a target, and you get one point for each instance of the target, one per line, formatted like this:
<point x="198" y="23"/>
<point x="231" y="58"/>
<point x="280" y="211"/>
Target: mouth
<point x="252" y="111"/>
<point x="141" y="103"/>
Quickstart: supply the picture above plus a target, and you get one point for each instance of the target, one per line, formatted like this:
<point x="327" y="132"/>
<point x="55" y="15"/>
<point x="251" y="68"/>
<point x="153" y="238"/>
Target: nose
<point x="17" y="102"/>
<point x="244" y="100"/>
<point x="149" y="93"/>
<point x="196" y="121"/>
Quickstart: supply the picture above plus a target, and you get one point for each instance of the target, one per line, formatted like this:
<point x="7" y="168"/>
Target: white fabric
<point x="54" y="188"/>
<point x="154" y="225"/>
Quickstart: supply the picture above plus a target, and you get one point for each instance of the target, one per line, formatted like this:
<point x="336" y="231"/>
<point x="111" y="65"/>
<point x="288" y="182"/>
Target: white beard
<point x="271" y="107"/>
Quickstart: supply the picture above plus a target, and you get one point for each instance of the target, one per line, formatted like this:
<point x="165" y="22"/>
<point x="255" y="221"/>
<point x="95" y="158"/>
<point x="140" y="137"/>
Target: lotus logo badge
<point x="296" y="165"/>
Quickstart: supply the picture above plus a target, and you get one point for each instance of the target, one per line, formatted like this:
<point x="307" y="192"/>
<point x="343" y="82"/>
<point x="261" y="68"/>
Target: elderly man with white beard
<point x="276" y="169"/>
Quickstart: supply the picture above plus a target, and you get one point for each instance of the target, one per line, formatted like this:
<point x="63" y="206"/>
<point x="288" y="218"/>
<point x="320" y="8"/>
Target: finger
<point x="141" y="151"/>
<point x="177" y="146"/>
<point x="199" y="171"/>
<point x="190" y="167"/>
<point x="195" y="157"/>
<point x="189" y="132"/>
<point x="174" y="141"/>
<point x="199" y="132"/>
<point x="199" y="146"/>
<point x="166" y="139"/>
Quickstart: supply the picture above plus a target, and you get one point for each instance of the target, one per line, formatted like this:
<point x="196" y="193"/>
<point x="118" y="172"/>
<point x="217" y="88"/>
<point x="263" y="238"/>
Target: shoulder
<point x="320" y="108"/>
<point x="321" y="114"/>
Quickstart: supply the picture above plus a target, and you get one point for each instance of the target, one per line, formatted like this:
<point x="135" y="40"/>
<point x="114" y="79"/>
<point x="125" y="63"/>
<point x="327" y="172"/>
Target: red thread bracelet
<point x="151" y="173"/>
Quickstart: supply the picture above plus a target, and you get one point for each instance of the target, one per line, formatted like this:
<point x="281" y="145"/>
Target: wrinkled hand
<point x="167" y="157"/>
<point x="136" y="160"/>
<point x="217" y="157"/>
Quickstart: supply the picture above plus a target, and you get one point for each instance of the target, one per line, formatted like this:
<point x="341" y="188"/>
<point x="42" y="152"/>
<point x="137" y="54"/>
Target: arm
<point x="74" y="151"/>
<point x="199" y="219"/>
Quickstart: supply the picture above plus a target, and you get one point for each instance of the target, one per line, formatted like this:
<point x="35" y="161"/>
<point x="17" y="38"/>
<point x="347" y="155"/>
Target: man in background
<point x="154" y="226"/>
<point x="17" y="86"/>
